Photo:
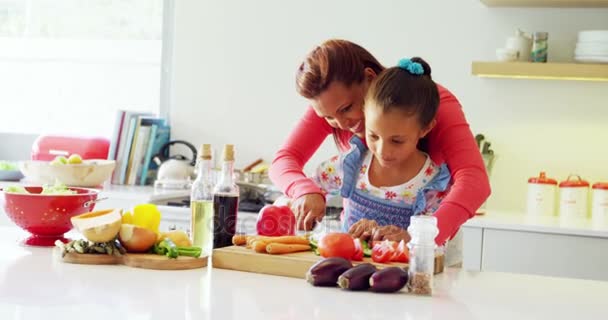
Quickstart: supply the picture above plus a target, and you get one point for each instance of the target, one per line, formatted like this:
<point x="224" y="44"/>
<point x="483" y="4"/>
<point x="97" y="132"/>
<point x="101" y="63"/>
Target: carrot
<point x="288" y="240"/>
<point x="259" y="246"/>
<point x="280" y="248"/>
<point x="239" y="239"/>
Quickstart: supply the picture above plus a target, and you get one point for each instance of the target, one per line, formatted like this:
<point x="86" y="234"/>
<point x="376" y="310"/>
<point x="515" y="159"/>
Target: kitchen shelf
<point x="547" y="3"/>
<point x="552" y="70"/>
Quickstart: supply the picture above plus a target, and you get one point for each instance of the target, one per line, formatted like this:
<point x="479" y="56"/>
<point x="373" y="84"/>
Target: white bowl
<point x="506" y="54"/>
<point x="89" y="173"/>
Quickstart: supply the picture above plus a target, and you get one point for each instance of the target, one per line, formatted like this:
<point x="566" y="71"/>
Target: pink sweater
<point x="451" y="141"/>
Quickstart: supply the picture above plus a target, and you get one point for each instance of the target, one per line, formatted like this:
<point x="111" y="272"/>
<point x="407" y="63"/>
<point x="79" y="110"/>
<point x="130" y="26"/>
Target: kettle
<point x="175" y="167"/>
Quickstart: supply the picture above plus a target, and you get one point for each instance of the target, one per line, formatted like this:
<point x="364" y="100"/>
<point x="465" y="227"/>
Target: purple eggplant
<point x="357" y="278"/>
<point x="325" y="273"/>
<point x="389" y="279"/>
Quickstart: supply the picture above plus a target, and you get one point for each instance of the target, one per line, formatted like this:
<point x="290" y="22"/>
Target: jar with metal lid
<point x="540" y="47"/>
<point x="573" y="194"/>
<point x="541" y="195"/>
<point x="599" y="211"/>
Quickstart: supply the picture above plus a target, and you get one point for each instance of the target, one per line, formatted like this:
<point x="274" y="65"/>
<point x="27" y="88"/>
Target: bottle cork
<point x="206" y="151"/>
<point x="228" y="154"/>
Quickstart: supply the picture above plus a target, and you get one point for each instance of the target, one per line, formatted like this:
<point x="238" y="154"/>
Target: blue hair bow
<point x="411" y="66"/>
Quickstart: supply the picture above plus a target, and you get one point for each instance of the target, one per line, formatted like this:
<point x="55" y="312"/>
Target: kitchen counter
<point x="33" y="285"/>
<point x="543" y="245"/>
<point x="543" y="224"/>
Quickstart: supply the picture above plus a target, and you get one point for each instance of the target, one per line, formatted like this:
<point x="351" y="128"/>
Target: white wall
<point x="235" y="63"/>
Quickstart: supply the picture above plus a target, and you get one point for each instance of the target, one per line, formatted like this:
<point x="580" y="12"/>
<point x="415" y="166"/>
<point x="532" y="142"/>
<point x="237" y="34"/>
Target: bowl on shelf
<point x="506" y="54"/>
<point x="46" y="216"/>
<point x="89" y="173"/>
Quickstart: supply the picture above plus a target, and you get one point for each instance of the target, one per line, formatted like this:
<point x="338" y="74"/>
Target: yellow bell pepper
<point x="146" y="216"/>
<point x="127" y="218"/>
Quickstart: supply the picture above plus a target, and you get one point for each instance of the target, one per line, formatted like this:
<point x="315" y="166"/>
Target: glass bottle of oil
<point x="225" y="201"/>
<point x="201" y="203"/>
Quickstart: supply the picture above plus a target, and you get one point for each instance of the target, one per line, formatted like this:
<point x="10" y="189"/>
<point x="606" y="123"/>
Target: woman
<point x="335" y="77"/>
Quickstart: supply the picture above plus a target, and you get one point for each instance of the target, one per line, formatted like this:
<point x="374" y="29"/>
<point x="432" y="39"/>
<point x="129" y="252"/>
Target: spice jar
<point x="540" y="47"/>
<point x="573" y="194"/>
<point x="541" y="195"/>
<point x="423" y="230"/>
<point x="599" y="211"/>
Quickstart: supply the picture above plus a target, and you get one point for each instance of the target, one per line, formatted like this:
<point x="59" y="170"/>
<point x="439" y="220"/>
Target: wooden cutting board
<point x="136" y="260"/>
<point x="156" y="262"/>
<point x="294" y="265"/>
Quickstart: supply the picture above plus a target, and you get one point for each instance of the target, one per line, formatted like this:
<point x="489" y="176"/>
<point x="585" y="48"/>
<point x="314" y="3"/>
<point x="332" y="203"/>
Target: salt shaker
<point x="423" y="230"/>
<point x="540" y="47"/>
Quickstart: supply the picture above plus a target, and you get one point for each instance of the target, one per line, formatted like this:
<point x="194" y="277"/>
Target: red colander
<point x="46" y="217"/>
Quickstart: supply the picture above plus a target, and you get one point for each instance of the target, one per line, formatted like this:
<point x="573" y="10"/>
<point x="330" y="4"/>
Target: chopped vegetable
<point x="168" y="248"/>
<point x="15" y="189"/>
<point x="314" y="245"/>
<point x="57" y="189"/>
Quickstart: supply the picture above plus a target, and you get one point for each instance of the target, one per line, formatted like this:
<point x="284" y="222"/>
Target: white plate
<point x="590" y="52"/>
<point x="592" y="45"/>
<point x="593" y="35"/>
<point x="591" y="59"/>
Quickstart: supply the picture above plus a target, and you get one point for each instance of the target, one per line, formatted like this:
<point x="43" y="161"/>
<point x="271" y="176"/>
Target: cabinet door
<point x="545" y="254"/>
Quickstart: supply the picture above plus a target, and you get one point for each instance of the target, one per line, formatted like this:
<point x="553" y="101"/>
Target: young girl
<point x="390" y="179"/>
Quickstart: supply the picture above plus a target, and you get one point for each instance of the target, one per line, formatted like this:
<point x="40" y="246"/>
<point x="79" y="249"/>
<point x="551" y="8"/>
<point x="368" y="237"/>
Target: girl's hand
<point x="391" y="233"/>
<point x="363" y="229"/>
<point x="308" y="209"/>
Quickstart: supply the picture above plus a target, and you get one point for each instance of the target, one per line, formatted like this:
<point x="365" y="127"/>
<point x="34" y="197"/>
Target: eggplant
<point x="357" y="278"/>
<point x="325" y="272"/>
<point x="389" y="279"/>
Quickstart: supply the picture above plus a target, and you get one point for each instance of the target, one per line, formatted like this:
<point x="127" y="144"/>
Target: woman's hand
<point x="391" y="233"/>
<point x="308" y="209"/>
<point x="363" y="229"/>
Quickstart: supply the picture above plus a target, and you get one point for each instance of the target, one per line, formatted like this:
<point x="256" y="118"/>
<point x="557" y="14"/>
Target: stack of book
<point x="136" y="139"/>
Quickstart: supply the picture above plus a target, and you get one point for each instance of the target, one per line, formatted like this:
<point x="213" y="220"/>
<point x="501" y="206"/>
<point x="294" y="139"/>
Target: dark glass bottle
<point x="225" y="202"/>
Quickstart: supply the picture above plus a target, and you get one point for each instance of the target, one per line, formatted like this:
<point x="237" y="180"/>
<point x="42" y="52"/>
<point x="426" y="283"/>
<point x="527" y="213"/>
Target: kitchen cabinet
<point x="550" y="70"/>
<point x="542" y="246"/>
<point x="547" y="3"/>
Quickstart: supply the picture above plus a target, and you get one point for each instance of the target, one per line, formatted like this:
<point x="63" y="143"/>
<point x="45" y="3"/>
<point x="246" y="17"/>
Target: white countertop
<point x="34" y="286"/>
<point x="543" y="224"/>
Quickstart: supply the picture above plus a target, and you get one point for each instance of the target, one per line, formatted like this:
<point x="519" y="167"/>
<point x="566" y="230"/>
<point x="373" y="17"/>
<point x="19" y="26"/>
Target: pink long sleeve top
<point x="451" y="141"/>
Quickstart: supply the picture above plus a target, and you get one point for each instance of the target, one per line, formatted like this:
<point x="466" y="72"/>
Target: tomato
<point x="390" y="251"/>
<point x="337" y="245"/>
<point x="382" y="252"/>
<point x="401" y="254"/>
<point x="358" y="256"/>
<point x="275" y="221"/>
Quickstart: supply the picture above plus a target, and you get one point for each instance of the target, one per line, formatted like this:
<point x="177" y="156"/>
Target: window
<point x="67" y="66"/>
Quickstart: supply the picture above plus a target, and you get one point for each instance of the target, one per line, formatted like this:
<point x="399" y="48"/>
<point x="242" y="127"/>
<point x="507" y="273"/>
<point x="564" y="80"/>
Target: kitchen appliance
<point x="47" y="147"/>
<point x="46" y="217"/>
<point x="175" y="171"/>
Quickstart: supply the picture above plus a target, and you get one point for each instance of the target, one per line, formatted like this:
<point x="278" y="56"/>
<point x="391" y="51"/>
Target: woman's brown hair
<point x="334" y="60"/>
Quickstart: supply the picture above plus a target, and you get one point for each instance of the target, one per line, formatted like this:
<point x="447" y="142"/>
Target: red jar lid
<point x="542" y="179"/>
<point x="601" y="185"/>
<point x="574" y="181"/>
